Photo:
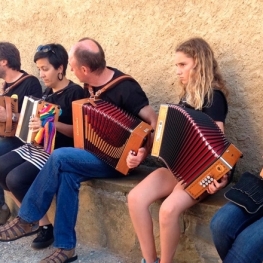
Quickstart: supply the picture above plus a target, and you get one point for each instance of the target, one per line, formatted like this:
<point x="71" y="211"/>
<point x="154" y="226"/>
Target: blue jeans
<point x="238" y="235"/>
<point x="62" y="174"/>
<point x="7" y="144"/>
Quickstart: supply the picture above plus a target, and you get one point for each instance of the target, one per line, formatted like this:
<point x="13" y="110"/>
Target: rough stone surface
<point x="139" y="37"/>
<point x="103" y="220"/>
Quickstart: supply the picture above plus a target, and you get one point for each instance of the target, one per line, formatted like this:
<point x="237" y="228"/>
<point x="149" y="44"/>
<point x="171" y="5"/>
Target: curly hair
<point x="204" y="77"/>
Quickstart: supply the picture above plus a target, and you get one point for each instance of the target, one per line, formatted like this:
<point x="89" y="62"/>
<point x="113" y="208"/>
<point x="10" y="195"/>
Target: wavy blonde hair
<point x="204" y="77"/>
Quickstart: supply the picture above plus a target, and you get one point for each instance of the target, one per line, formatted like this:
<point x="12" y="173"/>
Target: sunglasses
<point x="45" y="48"/>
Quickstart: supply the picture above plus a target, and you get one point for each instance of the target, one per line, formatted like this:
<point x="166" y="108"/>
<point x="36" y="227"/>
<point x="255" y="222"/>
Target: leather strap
<point x="110" y="85"/>
<point x="15" y="84"/>
<point x="8" y="108"/>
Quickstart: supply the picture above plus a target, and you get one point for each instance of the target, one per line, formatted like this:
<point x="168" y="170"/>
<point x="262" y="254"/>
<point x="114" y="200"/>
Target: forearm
<point x="65" y="129"/>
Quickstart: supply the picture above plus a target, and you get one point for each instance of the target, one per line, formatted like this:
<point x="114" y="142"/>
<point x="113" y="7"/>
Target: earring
<point x="60" y="76"/>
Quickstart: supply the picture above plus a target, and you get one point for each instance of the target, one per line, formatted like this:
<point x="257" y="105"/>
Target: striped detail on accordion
<point x="8" y="128"/>
<point x="107" y="131"/>
<point x="193" y="147"/>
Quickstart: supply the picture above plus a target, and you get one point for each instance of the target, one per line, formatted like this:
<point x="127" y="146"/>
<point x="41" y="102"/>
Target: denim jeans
<point x="65" y="169"/>
<point x="6" y="145"/>
<point x="238" y="235"/>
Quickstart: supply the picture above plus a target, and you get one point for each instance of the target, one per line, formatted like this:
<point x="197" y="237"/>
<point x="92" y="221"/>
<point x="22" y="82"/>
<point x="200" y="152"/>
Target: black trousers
<point x="16" y="174"/>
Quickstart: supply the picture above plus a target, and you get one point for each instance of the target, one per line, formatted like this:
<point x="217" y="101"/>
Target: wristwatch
<point x="14" y="117"/>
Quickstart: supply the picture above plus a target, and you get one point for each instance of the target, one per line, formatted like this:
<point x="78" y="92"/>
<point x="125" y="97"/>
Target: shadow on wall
<point x="241" y="125"/>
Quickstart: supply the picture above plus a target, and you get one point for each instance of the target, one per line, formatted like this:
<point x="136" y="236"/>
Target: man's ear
<point x="85" y="70"/>
<point x="3" y="62"/>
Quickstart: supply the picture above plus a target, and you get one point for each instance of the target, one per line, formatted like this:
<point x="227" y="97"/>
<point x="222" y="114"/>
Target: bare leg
<point x="171" y="209"/>
<point x="156" y="185"/>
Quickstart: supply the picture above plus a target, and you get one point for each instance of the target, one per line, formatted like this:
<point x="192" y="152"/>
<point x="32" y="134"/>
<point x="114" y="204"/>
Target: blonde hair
<point x="204" y="77"/>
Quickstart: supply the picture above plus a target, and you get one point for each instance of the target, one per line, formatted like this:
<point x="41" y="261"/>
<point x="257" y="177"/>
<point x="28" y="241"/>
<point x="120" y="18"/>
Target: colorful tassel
<point x="46" y="135"/>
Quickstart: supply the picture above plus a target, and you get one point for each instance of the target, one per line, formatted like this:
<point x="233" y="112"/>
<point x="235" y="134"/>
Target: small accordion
<point x="107" y="131"/>
<point x="193" y="147"/>
<point x="32" y="107"/>
<point x="8" y="128"/>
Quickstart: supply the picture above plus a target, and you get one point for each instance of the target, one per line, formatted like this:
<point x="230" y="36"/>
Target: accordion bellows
<point x="193" y="147"/>
<point x="107" y="131"/>
<point x="8" y="128"/>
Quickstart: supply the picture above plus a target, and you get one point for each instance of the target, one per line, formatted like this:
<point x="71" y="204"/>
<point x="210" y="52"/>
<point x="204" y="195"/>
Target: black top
<point x="64" y="99"/>
<point x="127" y="95"/>
<point x="217" y="110"/>
<point x="28" y="87"/>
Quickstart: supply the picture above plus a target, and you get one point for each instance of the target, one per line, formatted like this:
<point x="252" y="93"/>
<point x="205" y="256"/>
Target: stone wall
<point x="139" y="37"/>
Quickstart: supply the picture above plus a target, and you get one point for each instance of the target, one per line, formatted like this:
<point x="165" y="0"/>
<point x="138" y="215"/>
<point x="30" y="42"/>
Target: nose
<point x="178" y="71"/>
<point x="41" y="73"/>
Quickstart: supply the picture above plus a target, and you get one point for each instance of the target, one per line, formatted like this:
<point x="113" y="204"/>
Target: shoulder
<point x="129" y="81"/>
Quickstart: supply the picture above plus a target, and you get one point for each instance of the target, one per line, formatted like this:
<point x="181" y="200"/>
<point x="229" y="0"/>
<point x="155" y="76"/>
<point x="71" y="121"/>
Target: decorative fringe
<point x="47" y="133"/>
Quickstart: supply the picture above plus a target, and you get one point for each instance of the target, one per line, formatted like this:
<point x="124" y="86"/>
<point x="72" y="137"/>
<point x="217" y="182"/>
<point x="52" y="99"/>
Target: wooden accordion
<point x="31" y="107"/>
<point x="8" y="128"/>
<point x="107" y="131"/>
<point x="193" y="147"/>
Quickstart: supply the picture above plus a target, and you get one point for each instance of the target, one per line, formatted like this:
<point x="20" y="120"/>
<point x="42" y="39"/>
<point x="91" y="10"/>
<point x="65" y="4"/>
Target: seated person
<point x="238" y="234"/>
<point x="17" y="83"/>
<point x="20" y="167"/>
<point x="67" y="167"/>
<point x="203" y="90"/>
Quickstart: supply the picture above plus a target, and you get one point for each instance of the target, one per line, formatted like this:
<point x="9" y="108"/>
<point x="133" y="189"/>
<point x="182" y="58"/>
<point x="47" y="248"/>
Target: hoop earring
<point x="60" y="76"/>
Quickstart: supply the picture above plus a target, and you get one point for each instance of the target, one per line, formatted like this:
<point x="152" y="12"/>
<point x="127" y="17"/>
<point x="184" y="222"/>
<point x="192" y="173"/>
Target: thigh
<point x="156" y="185"/>
<point x="82" y="163"/>
<point x="248" y="246"/>
<point x="178" y="201"/>
<point x="232" y="219"/>
<point x="23" y="175"/>
<point x="8" y="144"/>
<point x="8" y="162"/>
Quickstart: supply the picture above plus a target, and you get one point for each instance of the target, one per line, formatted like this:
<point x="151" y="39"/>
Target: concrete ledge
<point x="104" y="221"/>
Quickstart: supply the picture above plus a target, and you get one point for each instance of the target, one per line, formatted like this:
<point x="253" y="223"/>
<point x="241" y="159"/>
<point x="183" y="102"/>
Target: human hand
<point x="216" y="186"/>
<point x="2" y="114"/>
<point x="133" y="160"/>
<point x="34" y="124"/>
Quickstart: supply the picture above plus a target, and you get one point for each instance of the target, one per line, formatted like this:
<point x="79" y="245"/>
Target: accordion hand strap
<point x="15" y="84"/>
<point x="110" y="85"/>
<point x="8" y="108"/>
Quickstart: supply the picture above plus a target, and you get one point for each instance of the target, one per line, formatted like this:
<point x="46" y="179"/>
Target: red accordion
<point x="107" y="131"/>
<point x="8" y="128"/>
<point x="193" y="147"/>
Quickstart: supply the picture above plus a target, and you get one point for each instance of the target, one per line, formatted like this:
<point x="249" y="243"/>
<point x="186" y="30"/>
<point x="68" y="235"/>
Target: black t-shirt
<point x="64" y="99"/>
<point x="127" y="94"/>
<point x="28" y="87"/>
<point x="218" y="108"/>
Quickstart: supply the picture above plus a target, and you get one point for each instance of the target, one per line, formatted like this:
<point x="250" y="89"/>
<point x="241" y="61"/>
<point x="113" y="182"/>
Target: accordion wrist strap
<point x="110" y="85"/>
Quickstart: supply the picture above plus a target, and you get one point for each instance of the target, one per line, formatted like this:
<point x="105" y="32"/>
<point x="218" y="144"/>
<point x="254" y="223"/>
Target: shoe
<point x="4" y="214"/>
<point x="156" y="261"/>
<point x="61" y="256"/>
<point x="44" y="237"/>
<point x="16" y="229"/>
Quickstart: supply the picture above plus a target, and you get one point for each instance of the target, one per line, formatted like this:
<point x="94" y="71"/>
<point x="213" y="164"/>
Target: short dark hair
<point x="9" y="52"/>
<point x="94" y="60"/>
<point x="56" y="55"/>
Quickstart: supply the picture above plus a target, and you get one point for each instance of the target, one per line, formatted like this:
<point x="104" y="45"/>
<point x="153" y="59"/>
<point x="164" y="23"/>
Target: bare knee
<point x="169" y="214"/>
<point x="133" y="199"/>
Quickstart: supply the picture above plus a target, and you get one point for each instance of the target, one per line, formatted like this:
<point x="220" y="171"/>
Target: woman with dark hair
<point x="20" y="167"/>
